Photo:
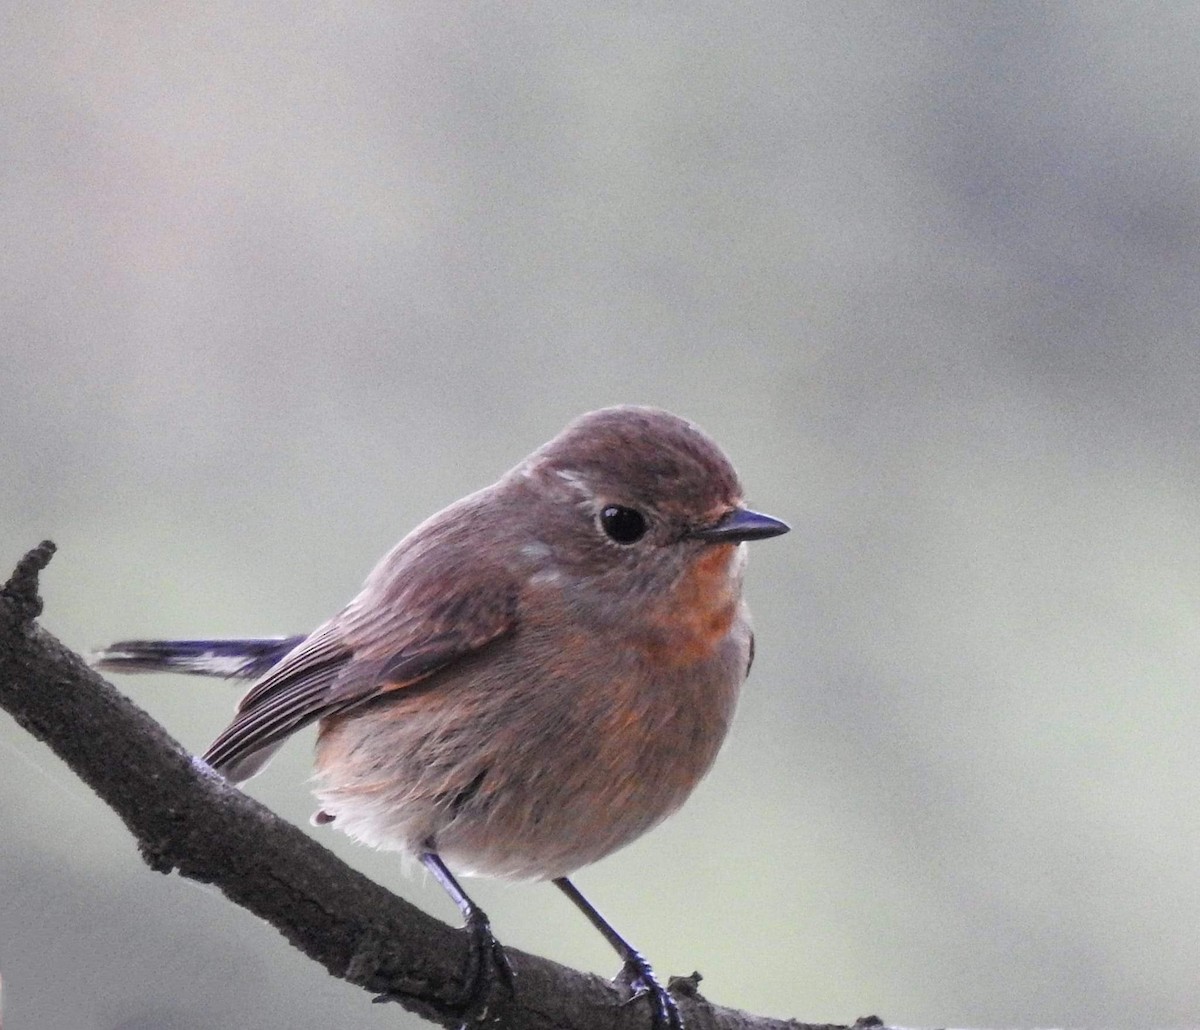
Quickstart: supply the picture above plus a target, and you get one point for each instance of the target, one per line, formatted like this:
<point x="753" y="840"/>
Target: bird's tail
<point x="229" y="659"/>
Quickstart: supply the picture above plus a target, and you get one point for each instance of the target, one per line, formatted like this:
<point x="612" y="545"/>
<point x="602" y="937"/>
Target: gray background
<point x="277" y="281"/>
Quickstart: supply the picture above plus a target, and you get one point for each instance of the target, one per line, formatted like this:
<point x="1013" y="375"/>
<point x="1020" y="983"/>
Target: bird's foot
<point x="637" y="975"/>
<point x="487" y="969"/>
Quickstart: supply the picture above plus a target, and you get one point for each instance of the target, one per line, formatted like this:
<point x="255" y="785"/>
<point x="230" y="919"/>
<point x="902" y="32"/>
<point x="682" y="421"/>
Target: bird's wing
<point x="395" y="634"/>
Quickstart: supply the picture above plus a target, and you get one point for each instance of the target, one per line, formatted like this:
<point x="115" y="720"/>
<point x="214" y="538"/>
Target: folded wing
<point x="386" y="640"/>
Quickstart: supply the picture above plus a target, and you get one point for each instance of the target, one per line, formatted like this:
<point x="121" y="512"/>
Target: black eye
<point x="624" y="525"/>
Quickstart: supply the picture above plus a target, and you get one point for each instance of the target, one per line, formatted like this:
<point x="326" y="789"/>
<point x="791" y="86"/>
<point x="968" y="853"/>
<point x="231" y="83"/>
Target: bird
<point x="532" y="678"/>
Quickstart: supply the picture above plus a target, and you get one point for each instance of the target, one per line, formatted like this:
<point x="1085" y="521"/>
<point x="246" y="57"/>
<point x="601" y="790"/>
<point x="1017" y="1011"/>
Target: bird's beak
<point x="741" y="524"/>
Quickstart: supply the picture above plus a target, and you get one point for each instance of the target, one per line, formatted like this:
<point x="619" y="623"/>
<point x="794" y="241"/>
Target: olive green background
<point x="279" y="280"/>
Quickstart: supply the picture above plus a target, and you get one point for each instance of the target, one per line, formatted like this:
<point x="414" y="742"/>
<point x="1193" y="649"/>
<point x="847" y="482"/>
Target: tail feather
<point x="229" y="659"/>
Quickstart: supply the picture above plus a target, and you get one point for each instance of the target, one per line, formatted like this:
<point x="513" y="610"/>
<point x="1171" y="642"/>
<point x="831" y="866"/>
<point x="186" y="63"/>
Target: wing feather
<point x="393" y="635"/>
<point x="286" y="708"/>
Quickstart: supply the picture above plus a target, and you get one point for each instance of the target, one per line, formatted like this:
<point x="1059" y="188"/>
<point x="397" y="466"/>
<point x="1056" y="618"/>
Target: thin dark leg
<point x="636" y="972"/>
<point x="486" y="961"/>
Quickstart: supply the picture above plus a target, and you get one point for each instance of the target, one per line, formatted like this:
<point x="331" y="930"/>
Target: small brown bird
<point x="532" y="678"/>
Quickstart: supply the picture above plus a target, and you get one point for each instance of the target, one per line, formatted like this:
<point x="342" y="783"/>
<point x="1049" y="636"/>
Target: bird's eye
<point x="624" y="525"/>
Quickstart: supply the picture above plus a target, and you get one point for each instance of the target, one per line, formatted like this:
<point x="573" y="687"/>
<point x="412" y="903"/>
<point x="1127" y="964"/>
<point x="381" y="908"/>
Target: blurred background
<point x="278" y="281"/>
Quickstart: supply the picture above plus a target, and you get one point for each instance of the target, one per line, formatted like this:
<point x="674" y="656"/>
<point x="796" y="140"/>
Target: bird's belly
<point x="527" y="784"/>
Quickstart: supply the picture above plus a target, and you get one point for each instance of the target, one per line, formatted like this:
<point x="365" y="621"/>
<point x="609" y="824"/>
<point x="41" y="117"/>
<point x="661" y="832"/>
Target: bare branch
<point x="185" y="817"/>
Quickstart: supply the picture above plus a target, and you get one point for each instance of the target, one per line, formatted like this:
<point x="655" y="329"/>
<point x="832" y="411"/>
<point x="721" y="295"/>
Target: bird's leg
<point x="636" y="971"/>
<point x="486" y="960"/>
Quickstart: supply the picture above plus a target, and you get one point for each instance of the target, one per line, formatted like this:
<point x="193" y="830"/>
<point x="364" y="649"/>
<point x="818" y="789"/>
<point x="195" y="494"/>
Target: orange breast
<point x="694" y="619"/>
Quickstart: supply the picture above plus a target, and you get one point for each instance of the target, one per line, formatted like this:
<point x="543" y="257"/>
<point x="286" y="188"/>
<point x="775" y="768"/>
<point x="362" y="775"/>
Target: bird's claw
<point x="637" y="975"/>
<point x="487" y="967"/>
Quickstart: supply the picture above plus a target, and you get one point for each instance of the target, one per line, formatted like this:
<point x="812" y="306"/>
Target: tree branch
<point x="185" y="817"/>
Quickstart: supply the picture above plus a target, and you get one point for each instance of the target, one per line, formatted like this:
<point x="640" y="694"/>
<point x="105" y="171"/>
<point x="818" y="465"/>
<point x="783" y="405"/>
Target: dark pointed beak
<point x="741" y="524"/>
